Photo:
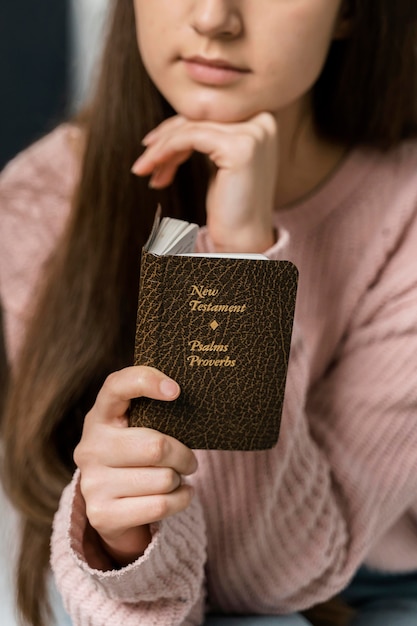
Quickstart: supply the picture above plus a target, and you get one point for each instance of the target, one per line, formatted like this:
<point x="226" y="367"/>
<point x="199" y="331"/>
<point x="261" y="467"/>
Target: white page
<point x="174" y="236"/>
<point x="231" y="255"/>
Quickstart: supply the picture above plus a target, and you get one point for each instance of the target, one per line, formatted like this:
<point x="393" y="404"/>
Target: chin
<point x="218" y="116"/>
<point x="213" y="115"/>
<point x="213" y="112"/>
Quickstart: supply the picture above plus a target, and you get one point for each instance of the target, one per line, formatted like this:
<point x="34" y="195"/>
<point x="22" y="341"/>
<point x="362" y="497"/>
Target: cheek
<point x="146" y="31"/>
<point x="308" y="33"/>
<point x="302" y="55"/>
<point x="148" y="47"/>
<point x="149" y="34"/>
<point x="293" y="70"/>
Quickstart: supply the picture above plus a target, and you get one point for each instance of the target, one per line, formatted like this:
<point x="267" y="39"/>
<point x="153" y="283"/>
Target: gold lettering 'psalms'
<point x="197" y="305"/>
<point x="198" y="361"/>
<point x="197" y="346"/>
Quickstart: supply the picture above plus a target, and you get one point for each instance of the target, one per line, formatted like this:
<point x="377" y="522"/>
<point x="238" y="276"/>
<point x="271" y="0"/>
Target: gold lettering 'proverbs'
<point x="197" y="305"/>
<point x="197" y="361"/>
<point x="197" y="346"/>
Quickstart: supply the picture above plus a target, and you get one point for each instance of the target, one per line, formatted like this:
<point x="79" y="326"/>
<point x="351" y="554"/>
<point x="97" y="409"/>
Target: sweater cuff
<point x="275" y="252"/>
<point x="172" y="566"/>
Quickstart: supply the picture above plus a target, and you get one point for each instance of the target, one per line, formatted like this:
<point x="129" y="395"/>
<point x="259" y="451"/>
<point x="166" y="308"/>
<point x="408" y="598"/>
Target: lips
<point x="215" y="63"/>
<point x="215" y="72"/>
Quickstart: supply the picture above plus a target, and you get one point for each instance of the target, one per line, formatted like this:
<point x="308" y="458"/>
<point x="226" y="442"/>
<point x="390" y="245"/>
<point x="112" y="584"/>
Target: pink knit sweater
<point x="275" y="531"/>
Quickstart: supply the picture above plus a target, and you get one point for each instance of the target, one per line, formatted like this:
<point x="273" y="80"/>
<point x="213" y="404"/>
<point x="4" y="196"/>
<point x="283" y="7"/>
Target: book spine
<point x="149" y="309"/>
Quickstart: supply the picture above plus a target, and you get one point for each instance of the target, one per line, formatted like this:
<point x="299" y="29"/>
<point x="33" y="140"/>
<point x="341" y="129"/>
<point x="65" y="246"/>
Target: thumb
<point x="120" y="387"/>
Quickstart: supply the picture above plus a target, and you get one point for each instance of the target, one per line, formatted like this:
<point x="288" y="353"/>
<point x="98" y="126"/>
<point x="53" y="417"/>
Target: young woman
<point x="284" y="126"/>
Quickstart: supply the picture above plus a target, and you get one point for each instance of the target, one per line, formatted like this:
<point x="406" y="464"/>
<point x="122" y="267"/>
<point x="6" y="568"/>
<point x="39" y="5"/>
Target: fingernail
<point x="148" y="138"/>
<point x="135" y="169"/>
<point x="169" y="388"/>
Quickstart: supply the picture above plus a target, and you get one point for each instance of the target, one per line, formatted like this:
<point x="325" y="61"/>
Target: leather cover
<point x="220" y="327"/>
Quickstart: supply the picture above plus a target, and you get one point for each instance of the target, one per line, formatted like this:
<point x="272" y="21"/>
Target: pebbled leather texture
<point x="222" y="329"/>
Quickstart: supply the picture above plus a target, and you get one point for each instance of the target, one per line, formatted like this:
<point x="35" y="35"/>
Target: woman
<point x="316" y="113"/>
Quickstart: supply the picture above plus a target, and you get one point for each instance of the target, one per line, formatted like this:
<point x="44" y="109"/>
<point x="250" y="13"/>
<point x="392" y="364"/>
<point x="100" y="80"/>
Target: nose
<point x="217" y="18"/>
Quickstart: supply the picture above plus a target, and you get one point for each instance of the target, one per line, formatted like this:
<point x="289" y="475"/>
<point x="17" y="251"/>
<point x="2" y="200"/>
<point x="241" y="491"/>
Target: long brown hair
<point x="83" y="327"/>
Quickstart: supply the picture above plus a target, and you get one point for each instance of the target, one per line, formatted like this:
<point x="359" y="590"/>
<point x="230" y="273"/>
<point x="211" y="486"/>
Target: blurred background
<point x="48" y="51"/>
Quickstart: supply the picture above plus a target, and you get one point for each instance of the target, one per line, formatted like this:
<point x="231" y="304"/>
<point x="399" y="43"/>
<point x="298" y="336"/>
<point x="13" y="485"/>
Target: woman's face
<point x="227" y="60"/>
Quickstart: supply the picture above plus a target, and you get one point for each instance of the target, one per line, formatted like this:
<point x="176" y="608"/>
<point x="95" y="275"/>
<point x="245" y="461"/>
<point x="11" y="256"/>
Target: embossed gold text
<point x="197" y="305"/>
<point x="197" y="346"/>
<point x="195" y="360"/>
<point x="202" y="291"/>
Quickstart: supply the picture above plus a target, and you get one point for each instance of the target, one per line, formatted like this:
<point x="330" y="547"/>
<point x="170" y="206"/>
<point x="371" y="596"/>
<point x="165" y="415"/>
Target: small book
<point x="220" y="325"/>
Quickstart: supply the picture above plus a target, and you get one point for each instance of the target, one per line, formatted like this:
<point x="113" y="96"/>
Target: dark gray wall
<point x="33" y="71"/>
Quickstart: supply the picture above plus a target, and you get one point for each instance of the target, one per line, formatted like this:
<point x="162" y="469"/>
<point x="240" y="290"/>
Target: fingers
<point x="132" y="482"/>
<point x="132" y="382"/>
<point x="106" y="440"/>
<point x="132" y="448"/>
<point x="164" y="173"/>
<point x="131" y="477"/>
<point x="227" y="145"/>
<point x="264" y="120"/>
<point x="133" y="497"/>
<point x="128" y="513"/>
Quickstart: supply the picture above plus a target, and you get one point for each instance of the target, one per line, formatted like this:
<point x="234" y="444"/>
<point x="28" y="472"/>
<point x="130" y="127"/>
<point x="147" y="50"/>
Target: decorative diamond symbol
<point x="214" y="325"/>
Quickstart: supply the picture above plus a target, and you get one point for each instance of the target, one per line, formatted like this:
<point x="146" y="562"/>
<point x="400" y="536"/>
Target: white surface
<point x="8" y="551"/>
<point x="8" y="524"/>
<point x="88" y="19"/>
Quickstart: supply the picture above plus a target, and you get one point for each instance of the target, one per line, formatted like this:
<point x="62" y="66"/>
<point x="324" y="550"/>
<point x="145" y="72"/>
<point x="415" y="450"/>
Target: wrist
<point x="129" y="547"/>
<point x="244" y="240"/>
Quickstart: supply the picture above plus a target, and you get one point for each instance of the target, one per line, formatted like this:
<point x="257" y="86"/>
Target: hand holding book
<point x="130" y="477"/>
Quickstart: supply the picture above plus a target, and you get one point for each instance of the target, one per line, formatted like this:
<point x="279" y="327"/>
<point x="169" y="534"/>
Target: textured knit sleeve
<point x="164" y="587"/>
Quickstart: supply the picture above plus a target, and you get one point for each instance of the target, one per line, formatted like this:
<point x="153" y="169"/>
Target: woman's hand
<point x="240" y="199"/>
<point x="130" y="477"/>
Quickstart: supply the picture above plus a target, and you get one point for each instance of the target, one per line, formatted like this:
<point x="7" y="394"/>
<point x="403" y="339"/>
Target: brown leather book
<point x="221" y="327"/>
